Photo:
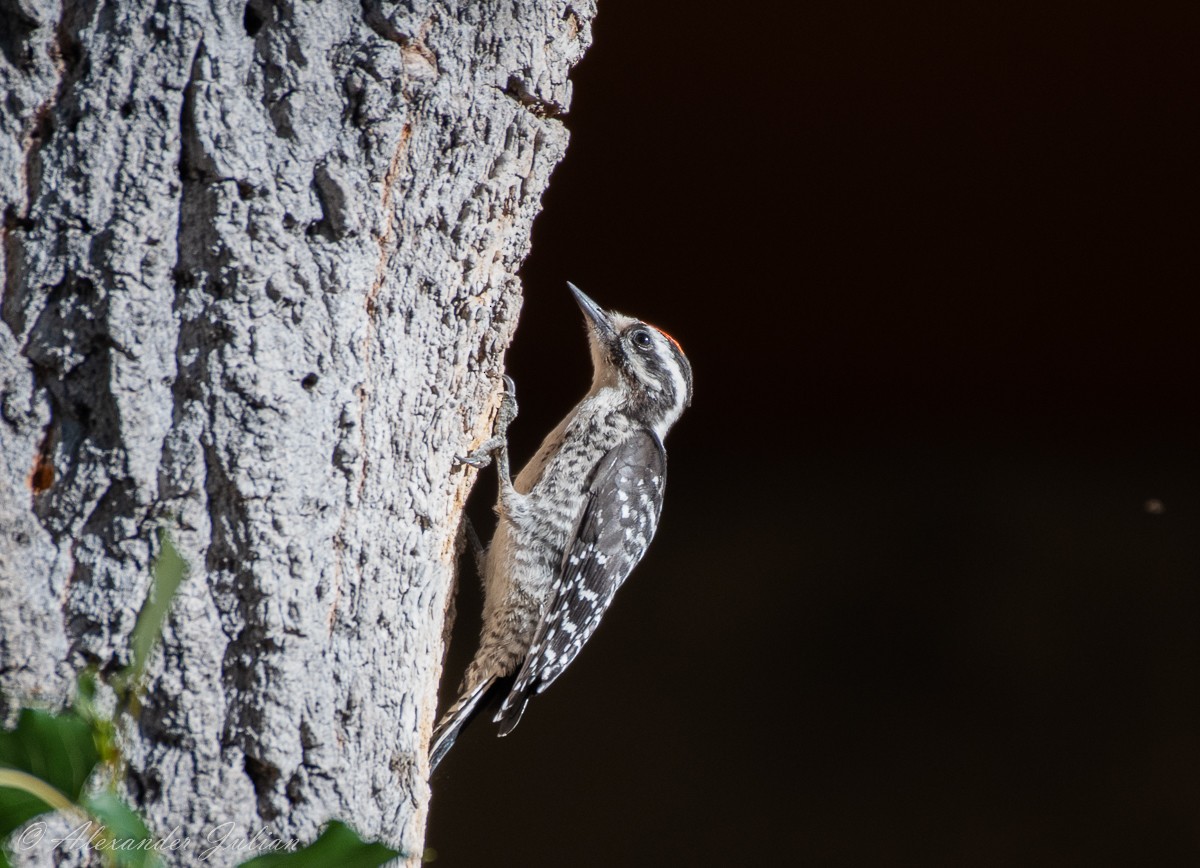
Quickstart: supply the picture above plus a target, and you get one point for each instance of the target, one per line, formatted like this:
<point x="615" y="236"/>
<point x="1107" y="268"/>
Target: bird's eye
<point x="641" y="338"/>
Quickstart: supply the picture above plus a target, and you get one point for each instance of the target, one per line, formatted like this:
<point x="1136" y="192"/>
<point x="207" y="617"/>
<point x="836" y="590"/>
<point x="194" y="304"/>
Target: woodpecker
<point x="576" y="520"/>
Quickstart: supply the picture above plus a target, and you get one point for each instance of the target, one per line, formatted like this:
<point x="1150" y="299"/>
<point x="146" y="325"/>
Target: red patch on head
<point x="671" y="339"/>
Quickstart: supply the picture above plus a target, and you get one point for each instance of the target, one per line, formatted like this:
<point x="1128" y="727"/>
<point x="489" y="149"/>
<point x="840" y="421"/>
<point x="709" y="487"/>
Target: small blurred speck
<point x="1154" y="506"/>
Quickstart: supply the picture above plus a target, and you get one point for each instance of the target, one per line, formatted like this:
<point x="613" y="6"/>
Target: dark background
<point x="910" y="602"/>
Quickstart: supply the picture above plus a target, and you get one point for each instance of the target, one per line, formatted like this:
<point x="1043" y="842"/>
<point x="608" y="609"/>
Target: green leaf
<point x="169" y="571"/>
<point x="338" y="845"/>
<point x="18" y="807"/>
<point x="126" y="840"/>
<point x="58" y="749"/>
<point x="85" y="689"/>
<point x="104" y="731"/>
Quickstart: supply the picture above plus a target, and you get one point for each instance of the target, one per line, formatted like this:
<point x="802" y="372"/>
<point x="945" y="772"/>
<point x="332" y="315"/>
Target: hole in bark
<point x="309" y="382"/>
<point x="295" y="790"/>
<point x="245" y="191"/>
<point x="127" y="109"/>
<point x="319" y="228"/>
<point x="13" y="220"/>
<point x="183" y="279"/>
<point x="42" y="476"/>
<point x="263" y="778"/>
<point x="252" y="20"/>
<point x="14" y="38"/>
<point x="70" y="50"/>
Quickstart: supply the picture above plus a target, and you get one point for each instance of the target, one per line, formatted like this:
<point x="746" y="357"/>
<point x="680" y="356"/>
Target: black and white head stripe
<point x="650" y="361"/>
<point x="661" y="372"/>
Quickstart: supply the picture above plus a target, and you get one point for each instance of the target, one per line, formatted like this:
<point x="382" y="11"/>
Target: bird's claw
<point x="479" y="459"/>
<point x="482" y="457"/>
<point x="508" y="406"/>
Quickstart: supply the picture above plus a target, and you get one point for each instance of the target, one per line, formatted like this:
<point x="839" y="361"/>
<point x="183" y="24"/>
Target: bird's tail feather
<point x="455" y="718"/>
<point x="510" y="712"/>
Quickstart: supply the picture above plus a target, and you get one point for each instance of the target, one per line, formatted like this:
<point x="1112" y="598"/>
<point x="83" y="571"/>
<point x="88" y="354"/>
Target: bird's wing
<point x="616" y="523"/>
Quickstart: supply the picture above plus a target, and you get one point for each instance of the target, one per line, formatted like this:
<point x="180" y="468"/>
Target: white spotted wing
<point x="616" y="523"/>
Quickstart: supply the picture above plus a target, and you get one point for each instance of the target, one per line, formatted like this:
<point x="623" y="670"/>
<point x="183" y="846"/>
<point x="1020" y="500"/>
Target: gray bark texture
<point x="259" y="274"/>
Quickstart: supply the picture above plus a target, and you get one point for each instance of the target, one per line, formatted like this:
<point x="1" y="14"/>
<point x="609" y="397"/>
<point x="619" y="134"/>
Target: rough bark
<point x="259" y="273"/>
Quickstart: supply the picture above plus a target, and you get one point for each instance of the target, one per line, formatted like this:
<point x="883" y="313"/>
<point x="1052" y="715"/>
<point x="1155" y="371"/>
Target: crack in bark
<point x="386" y="245"/>
<point x="183" y="384"/>
<point x="385" y="238"/>
<point x="232" y="583"/>
<point x="64" y="52"/>
<point x="411" y="45"/>
<point x="68" y="350"/>
<point x="41" y="477"/>
<point x="66" y="56"/>
<point x="245" y="667"/>
<point x="37" y="133"/>
<point x="417" y="59"/>
<point x="519" y="92"/>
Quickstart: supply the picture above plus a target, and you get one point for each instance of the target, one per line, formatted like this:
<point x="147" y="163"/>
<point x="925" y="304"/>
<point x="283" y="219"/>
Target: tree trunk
<point x="259" y="273"/>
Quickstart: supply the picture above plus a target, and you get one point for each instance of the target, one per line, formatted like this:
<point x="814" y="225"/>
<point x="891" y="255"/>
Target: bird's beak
<point x="597" y="317"/>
